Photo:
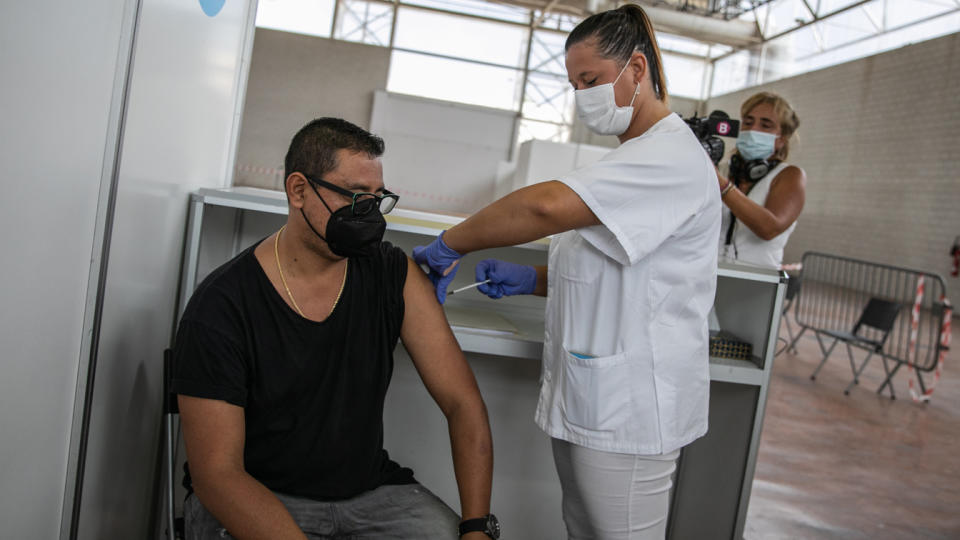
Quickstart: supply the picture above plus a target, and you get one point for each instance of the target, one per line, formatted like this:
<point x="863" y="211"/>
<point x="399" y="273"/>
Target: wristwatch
<point x="487" y="524"/>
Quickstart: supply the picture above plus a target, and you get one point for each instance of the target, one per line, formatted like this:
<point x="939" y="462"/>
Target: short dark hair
<point x="313" y="150"/>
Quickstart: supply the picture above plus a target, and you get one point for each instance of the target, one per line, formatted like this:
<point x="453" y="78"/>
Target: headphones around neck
<point x="750" y="170"/>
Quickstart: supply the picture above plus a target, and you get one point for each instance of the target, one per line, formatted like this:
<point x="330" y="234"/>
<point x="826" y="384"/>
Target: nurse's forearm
<point x="525" y="215"/>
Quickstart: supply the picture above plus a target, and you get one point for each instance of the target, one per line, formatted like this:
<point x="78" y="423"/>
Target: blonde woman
<point x="763" y="195"/>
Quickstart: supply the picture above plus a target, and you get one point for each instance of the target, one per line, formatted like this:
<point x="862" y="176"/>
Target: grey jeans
<point x="401" y="512"/>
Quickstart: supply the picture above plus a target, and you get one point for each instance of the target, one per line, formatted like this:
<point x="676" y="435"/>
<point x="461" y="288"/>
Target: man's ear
<point x="296" y="186"/>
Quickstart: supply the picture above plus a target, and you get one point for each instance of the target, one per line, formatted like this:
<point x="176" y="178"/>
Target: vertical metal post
<point x="191" y="252"/>
<point x="393" y="27"/>
<point x="238" y="218"/>
<point x="333" y="23"/>
<point x="713" y="74"/>
<point x="707" y="65"/>
<point x="523" y="89"/>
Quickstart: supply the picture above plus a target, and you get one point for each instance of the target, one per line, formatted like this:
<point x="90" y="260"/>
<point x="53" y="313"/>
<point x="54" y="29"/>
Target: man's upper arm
<point x="213" y="432"/>
<point x="431" y="344"/>
<point x="210" y="383"/>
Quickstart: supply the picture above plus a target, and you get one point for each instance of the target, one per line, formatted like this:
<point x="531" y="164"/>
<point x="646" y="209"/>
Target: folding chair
<point x="171" y="410"/>
<point x="793" y="287"/>
<point x="879" y="315"/>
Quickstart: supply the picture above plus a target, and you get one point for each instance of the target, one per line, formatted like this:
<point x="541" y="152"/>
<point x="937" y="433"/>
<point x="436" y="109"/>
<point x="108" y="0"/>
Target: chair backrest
<point x="880" y="315"/>
<point x="170" y="405"/>
<point x="793" y="287"/>
<point x="175" y="530"/>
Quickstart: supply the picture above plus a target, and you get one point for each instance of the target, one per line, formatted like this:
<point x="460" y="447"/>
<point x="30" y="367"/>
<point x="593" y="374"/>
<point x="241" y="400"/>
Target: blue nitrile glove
<point x="438" y="257"/>
<point x="506" y="278"/>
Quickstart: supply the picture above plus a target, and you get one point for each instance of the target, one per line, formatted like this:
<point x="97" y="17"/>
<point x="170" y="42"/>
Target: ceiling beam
<point x="735" y="33"/>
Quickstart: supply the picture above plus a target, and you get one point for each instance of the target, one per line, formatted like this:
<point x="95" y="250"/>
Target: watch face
<point x="493" y="527"/>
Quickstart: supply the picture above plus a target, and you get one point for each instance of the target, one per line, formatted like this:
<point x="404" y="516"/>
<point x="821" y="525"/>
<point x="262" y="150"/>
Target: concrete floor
<point x="858" y="466"/>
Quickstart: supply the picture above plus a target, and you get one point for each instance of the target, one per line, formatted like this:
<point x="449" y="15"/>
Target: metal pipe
<point x="735" y="33"/>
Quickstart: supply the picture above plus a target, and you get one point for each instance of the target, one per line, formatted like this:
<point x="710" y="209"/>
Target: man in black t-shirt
<point x="284" y="355"/>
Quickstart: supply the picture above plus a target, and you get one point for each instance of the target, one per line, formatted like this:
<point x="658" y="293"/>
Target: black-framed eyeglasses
<point x="361" y="203"/>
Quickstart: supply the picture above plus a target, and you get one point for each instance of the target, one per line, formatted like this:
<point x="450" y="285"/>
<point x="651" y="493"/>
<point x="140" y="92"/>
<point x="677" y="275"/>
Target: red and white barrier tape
<point x="263" y="171"/>
<point x="945" y="337"/>
<point x="457" y="203"/>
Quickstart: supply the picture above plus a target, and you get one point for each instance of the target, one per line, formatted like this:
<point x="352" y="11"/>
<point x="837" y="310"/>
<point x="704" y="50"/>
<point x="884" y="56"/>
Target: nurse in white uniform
<point x="763" y="195"/>
<point x="629" y="283"/>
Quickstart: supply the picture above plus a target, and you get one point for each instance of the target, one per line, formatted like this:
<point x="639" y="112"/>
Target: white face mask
<point x="597" y="108"/>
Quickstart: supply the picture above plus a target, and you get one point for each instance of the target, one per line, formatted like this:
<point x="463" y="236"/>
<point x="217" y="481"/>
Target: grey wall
<point x="295" y="78"/>
<point x="878" y="141"/>
<point x="58" y="60"/>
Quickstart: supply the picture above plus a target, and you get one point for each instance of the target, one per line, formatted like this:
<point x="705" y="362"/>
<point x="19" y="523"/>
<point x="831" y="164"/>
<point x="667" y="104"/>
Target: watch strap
<point x="480" y="524"/>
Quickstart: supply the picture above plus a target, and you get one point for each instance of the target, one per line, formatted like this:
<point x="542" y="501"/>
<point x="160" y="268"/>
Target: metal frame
<point x="537" y="23"/>
<point x="834" y="287"/>
<point x="881" y="27"/>
<point x="725" y="9"/>
<point x="751" y="466"/>
<point x="854" y="340"/>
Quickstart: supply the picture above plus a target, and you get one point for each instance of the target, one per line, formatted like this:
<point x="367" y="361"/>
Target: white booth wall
<point x="96" y="169"/>
<point x="55" y="155"/>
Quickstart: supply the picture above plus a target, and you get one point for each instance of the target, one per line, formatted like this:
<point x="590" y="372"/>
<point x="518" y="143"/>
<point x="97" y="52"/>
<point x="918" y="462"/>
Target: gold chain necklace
<point x="276" y="253"/>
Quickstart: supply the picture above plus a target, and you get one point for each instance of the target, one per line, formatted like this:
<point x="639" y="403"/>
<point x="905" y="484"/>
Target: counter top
<point x="524" y="339"/>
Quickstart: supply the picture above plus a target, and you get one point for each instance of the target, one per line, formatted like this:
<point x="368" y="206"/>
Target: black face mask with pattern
<point x="350" y="234"/>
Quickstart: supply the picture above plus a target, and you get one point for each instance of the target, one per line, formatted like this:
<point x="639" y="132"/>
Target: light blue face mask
<point x="756" y="144"/>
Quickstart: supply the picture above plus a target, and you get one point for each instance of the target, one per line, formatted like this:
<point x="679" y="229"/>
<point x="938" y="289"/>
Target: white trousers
<point x="609" y="496"/>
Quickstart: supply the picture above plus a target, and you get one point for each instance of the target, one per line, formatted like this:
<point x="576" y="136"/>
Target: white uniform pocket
<point x="596" y="391"/>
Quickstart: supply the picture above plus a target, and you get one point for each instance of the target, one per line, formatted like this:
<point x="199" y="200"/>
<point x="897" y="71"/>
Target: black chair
<point x="171" y="413"/>
<point x="879" y="315"/>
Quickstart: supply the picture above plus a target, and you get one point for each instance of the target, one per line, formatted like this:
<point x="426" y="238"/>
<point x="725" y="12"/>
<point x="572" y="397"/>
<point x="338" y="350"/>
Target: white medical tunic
<point x="625" y="361"/>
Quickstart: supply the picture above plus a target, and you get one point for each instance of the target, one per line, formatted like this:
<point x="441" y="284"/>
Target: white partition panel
<point x="188" y="76"/>
<point x="441" y="156"/>
<point x="59" y="60"/>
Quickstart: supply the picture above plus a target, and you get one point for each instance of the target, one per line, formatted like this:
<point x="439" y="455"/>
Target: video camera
<point x="709" y="130"/>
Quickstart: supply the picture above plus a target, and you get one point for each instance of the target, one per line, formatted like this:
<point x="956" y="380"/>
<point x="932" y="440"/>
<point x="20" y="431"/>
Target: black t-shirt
<point x="312" y="392"/>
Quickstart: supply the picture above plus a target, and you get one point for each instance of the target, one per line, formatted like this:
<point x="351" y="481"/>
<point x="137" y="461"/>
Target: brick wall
<point x="880" y="143"/>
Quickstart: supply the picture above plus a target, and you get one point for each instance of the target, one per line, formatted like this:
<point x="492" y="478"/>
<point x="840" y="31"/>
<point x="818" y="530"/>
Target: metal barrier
<point x="836" y="291"/>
